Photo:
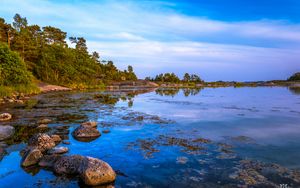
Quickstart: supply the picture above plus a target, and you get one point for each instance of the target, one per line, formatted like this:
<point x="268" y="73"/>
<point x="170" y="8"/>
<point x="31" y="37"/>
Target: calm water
<point x="155" y="138"/>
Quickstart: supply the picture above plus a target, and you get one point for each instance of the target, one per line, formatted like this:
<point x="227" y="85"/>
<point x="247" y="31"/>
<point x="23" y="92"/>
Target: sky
<point x="242" y="40"/>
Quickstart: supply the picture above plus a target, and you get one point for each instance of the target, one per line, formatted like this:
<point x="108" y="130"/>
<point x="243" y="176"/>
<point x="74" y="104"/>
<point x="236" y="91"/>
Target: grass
<point x="9" y="91"/>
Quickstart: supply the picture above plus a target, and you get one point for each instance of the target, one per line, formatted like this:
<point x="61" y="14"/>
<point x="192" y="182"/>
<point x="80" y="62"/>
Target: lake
<point x="210" y="137"/>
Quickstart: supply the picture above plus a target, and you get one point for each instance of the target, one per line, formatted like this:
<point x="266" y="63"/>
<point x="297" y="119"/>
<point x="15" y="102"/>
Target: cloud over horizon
<point x="158" y="36"/>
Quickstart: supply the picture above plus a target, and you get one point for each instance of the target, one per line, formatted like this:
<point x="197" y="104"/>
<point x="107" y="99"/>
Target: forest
<point x="31" y="53"/>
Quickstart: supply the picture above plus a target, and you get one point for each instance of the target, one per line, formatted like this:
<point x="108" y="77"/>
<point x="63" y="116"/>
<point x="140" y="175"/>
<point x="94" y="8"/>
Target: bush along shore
<point x="30" y="54"/>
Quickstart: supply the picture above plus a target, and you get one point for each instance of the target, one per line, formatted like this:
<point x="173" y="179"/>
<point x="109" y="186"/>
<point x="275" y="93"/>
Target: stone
<point x="106" y="131"/>
<point x="42" y="126"/>
<point x="32" y="157"/>
<point x="5" y="117"/>
<point x="56" y="138"/>
<point x="49" y="160"/>
<point x="58" y="150"/>
<point x="41" y="141"/>
<point x="86" y="133"/>
<point x="6" y="132"/>
<point x="44" y="121"/>
<point x="91" y="124"/>
<point x="96" y="172"/>
<point x="66" y="142"/>
<point x="68" y="164"/>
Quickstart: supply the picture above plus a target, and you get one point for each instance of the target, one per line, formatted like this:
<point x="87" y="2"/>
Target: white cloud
<point x="129" y="33"/>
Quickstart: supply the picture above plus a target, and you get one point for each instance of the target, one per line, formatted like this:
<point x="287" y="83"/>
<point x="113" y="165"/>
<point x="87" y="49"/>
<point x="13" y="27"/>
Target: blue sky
<point x="217" y="39"/>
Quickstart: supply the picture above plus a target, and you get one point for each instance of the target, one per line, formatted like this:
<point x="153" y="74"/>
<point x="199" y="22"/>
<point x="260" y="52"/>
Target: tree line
<point x="173" y="78"/>
<point x="45" y="54"/>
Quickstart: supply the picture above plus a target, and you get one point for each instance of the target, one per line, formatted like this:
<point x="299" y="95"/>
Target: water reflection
<point x="174" y="91"/>
<point x="295" y="90"/>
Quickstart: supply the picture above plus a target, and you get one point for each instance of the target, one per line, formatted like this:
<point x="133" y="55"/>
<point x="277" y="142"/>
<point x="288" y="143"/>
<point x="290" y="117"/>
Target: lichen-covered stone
<point x="32" y="157"/>
<point x="41" y="141"/>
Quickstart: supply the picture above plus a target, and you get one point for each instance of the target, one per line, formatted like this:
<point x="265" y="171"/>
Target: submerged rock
<point x="32" y="157"/>
<point x="5" y="117"/>
<point x="41" y="141"/>
<point x="106" y="131"/>
<point x="88" y="133"/>
<point x="91" y="124"/>
<point x="58" y="150"/>
<point x="96" y="172"/>
<point x="6" y="132"/>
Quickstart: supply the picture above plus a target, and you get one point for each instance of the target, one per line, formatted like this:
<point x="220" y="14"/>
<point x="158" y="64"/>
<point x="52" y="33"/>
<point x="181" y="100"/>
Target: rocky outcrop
<point x="5" y="117"/>
<point x="6" y="132"/>
<point x="48" y="161"/>
<point x="32" y="157"/>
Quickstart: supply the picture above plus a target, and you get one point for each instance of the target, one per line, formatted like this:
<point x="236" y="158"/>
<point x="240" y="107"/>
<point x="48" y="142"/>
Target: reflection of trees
<point x="295" y="90"/>
<point x="174" y="91"/>
<point x="112" y="99"/>
<point x="191" y="91"/>
<point x="167" y="92"/>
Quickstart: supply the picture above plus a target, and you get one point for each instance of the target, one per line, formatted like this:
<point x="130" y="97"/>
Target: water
<point x="167" y="137"/>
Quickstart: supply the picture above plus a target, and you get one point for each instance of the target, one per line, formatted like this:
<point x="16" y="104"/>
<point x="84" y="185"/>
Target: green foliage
<point x="172" y="78"/>
<point x="295" y="77"/>
<point x="12" y="69"/>
<point x="48" y="58"/>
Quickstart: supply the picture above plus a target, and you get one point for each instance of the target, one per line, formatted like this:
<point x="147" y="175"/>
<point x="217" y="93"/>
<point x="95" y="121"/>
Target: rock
<point x="2" y="153"/>
<point x="5" y="117"/>
<point x="96" y="172"/>
<point x="68" y="164"/>
<point x="66" y="142"/>
<point x="58" y="150"/>
<point x="32" y="157"/>
<point x="56" y="138"/>
<point x="91" y="124"/>
<point x="181" y="160"/>
<point x="86" y="133"/>
<point x="6" y="132"/>
<point x="44" y="121"/>
<point x="41" y="141"/>
<point x="106" y="131"/>
<point x="49" y="160"/>
<point x="42" y="126"/>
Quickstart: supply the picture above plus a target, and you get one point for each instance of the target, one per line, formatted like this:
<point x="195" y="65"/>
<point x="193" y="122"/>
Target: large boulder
<point x="69" y="164"/>
<point x="96" y="172"/>
<point x="32" y="157"/>
<point x="86" y="133"/>
<point x="56" y="138"/>
<point x="41" y="141"/>
<point x="5" y="117"/>
<point x="6" y="132"/>
<point x="91" y="124"/>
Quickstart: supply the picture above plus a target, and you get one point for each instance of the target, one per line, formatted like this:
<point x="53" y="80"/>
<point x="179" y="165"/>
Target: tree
<point x="96" y="57"/>
<point x="80" y="44"/>
<point x="54" y="35"/>
<point x="130" y="69"/>
<point x="21" y="36"/>
<point x="13" y="71"/>
<point x="5" y="32"/>
<point x="295" y="77"/>
<point x="186" y="77"/>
